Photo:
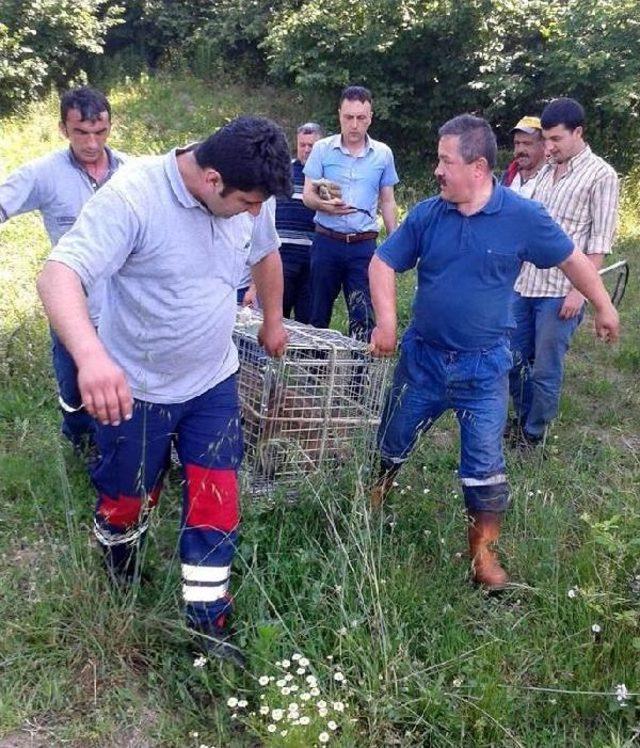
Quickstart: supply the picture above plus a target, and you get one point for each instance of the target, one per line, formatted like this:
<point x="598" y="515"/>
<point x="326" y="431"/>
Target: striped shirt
<point x="584" y="201"/>
<point x="294" y="221"/>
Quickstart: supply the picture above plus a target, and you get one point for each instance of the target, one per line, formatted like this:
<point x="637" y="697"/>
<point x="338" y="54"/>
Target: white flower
<point x="200" y="661"/>
<point x="232" y="702"/>
<point x="457" y="682"/>
<point x="242" y="703"/>
<point x="314" y="691"/>
<point x="304" y="662"/>
<point x="321" y="704"/>
<point x="285" y="691"/>
<point x="281" y="682"/>
<point x="573" y="592"/>
<point x="596" y="628"/>
<point x="286" y="664"/>
<point x="194" y="734"/>
<point x="304" y="720"/>
<point x="277" y="714"/>
<point x="264" y="709"/>
<point x="338" y="676"/>
<point x="323" y="712"/>
<point x="284" y="733"/>
<point x="296" y="656"/>
<point x="293" y="707"/>
<point x="323" y="737"/>
<point x="300" y="671"/>
<point x="622" y="694"/>
<point x="288" y="677"/>
<point x="305" y="696"/>
<point x="332" y="725"/>
<point x="338" y="706"/>
<point x="293" y="688"/>
<point x="263" y="680"/>
<point x="311" y="680"/>
<point x="271" y="728"/>
<point x="343" y="631"/>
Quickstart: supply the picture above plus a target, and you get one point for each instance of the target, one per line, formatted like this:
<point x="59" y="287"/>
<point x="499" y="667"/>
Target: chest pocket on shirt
<point x="500" y="265"/>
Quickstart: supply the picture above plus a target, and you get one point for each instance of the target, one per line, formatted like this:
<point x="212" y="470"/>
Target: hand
<point x="273" y="338"/>
<point x="250" y="297"/>
<point x="105" y="391"/>
<point x="383" y="341"/>
<point x="572" y="306"/>
<point x="337" y="207"/>
<point x="607" y="324"/>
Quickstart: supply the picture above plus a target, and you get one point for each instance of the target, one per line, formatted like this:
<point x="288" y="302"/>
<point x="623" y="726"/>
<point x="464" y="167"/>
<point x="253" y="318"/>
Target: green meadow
<point x="367" y="623"/>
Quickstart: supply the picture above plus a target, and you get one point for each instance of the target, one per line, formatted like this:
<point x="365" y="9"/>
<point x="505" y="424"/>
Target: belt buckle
<point x="349" y="238"/>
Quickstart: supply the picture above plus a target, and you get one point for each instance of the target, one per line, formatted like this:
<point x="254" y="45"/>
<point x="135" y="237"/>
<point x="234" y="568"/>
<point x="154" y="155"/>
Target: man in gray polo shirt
<point x="173" y="235"/>
<point x="58" y="185"/>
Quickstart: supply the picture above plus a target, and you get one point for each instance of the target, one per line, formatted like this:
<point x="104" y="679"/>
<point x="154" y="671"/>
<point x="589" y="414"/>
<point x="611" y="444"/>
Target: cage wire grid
<point x="317" y="408"/>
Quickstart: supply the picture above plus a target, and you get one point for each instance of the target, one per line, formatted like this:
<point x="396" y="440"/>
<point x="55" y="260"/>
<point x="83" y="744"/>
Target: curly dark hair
<point x="250" y="153"/>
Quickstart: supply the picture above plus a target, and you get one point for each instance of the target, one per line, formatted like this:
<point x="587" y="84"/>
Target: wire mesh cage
<point x="316" y="408"/>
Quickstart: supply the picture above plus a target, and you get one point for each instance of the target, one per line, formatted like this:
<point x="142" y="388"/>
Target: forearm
<point x="65" y="304"/>
<point x="582" y="271"/>
<point x="389" y="212"/>
<point x="382" y="282"/>
<point x="311" y="198"/>
<point x="267" y="276"/>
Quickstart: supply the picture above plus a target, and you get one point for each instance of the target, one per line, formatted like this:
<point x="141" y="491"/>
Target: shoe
<point x="527" y="442"/>
<point x="381" y="488"/>
<point x="215" y="641"/>
<point x="484" y="531"/>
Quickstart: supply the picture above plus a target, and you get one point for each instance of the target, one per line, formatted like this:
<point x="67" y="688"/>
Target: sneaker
<point x="215" y="641"/>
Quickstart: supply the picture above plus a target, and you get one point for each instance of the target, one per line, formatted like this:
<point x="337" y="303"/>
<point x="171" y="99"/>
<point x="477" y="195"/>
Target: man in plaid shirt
<point x="580" y="191"/>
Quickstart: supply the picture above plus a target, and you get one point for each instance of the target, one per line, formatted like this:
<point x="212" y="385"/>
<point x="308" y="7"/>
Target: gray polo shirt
<point x="173" y="270"/>
<point x="58" y="187"/>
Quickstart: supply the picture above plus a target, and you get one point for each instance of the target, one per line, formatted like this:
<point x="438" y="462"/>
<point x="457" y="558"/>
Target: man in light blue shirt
<point x="58" y="185"/>
<point x="173" y="234"/>
<point x="347" y="227"/>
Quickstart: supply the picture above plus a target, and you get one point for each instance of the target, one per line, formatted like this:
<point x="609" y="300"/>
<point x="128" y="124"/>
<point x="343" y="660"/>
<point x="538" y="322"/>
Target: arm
<point x="585" y="278"/>
<point x="267" y="276"/>
<point x="250" y="296"/>
<point x="335" y="206"/>
<point x="574" y="299"/>
<point x="382" y="282"/>
<point x="103" y="385"/>
<point x="388" y="208"/>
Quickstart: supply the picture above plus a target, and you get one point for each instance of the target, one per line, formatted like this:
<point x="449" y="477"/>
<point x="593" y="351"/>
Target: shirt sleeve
<point x="264" y="237"/>
<point x="389" y="175"/>
<point x="547" y="245"/>
<point x="106" y="232"/>
<point x="313" y="167"/>
<point x="20" y="193"/>
<point x="401" y="250"/>
<point x="604" y="214"/>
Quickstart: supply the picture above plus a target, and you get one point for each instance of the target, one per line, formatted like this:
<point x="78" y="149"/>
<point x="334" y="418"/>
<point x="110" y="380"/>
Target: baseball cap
<point x="528" y="125"/>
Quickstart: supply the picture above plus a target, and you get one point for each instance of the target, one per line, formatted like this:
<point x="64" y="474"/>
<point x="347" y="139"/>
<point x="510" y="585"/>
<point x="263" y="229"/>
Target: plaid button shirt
<point x="584" y="201"/>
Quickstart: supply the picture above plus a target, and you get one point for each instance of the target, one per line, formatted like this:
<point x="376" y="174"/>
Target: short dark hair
<point x="310" y="128"/>
<point x="250" y="153"/>
<point x="355" y="93"/>
<point x="563" y="111"/>
<point x="88" y="101"/>
<point x="477" y="139"/>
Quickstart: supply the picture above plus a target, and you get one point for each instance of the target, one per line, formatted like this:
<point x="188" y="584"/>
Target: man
<point x="346" y="226"/>
<point x="294" y="222"/>
<point x="58" y="185"/>
<point x="580" y="191"/>
<point x="468" y="245"/>
<point x="174" y="236"/>
<point x="529" y="158"/>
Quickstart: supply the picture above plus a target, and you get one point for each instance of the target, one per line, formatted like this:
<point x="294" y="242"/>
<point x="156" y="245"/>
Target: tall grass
<point x="383" y="600"/>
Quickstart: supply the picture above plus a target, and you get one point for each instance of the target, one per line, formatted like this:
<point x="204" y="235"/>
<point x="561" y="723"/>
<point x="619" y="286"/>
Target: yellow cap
<point x="528" y="125"/>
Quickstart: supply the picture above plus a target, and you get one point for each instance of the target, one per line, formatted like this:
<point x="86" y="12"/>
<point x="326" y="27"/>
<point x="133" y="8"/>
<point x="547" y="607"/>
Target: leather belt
<point x="363" y="236"/>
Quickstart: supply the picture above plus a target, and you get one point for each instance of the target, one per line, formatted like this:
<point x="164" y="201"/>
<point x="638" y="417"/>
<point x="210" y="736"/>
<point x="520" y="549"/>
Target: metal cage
<point x="316" y="408"/>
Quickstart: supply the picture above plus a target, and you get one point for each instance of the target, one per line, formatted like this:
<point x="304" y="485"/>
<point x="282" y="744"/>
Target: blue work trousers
<point x="430" y="380"/>
<point x="134" y="457"/>
<point x="297" y="289"/>
<point x="539" y="344"/>
<point x="336" y="265"/>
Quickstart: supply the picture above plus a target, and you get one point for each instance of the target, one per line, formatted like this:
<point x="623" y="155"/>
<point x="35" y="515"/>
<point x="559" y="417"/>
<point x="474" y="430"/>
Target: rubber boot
<point x="484" y="531"/>
<point x="381" y="488"/>
<point x="122" y="565"/>
<point x="216" y="639"/>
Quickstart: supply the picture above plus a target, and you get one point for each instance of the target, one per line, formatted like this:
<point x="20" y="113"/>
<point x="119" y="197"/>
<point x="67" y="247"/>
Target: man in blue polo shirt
<point x="468" y="245"/>
<point x="347" y="227"/>
<point x="58" y="185"/>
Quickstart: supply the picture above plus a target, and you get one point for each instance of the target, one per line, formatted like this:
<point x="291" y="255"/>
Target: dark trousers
<point x="336" y="265"/>
<point x="297" y="289"/>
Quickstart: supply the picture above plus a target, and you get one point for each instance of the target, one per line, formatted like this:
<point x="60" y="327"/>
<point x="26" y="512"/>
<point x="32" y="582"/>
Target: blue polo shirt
<point x="467" y="265"/>
<point x="361" y="178"/>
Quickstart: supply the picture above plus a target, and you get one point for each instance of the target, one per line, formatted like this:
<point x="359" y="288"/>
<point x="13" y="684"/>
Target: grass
<point x="428" y="660"/>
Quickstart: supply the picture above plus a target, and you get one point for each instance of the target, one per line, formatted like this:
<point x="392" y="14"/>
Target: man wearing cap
<point x="528" y="151"/>
<point x="346" y="227"/>
<point x="580" y="191"/>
